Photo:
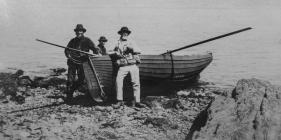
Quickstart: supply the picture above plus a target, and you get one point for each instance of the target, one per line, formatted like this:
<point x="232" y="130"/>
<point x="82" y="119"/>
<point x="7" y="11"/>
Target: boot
<point x="118" y="104"/>
<point x="69" y="94"/>
<point x="69" y="98"/>
<point x="133" y="103"/>
<point x="139" y="105"/>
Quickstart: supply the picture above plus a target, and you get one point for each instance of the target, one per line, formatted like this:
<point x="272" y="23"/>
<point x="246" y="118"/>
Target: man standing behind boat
<point x="75" y="59"/>
<point x="127" y="52"/>
<point x="101" y="46"/>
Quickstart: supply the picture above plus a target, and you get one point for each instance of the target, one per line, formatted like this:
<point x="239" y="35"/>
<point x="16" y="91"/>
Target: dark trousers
<point x="73" y="70"/>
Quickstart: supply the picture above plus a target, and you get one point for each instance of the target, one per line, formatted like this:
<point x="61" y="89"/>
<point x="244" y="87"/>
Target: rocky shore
<point x="32" y="107"/>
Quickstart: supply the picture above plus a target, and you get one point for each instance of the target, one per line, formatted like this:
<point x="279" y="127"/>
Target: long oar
<point x="208" y="40"/>
<point x="65" y="47"/>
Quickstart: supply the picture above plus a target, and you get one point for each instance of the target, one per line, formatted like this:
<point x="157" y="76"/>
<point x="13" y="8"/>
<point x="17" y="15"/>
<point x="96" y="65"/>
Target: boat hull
<point x="173" y="68"/>
<point x="153" y="68"/>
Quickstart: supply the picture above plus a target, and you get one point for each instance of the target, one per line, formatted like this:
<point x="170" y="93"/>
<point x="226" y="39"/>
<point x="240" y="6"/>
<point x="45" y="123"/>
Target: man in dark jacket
<point x="75" y="59"/>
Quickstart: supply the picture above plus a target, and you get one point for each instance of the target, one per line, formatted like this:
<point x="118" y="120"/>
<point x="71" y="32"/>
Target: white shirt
<point x="128" y="44"/>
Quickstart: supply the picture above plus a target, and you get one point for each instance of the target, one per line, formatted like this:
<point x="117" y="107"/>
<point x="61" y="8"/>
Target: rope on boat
<point x="173" y="69"/>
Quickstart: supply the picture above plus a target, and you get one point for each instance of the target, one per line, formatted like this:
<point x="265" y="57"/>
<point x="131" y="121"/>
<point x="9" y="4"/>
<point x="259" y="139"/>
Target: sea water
<point x="157" y="26"/>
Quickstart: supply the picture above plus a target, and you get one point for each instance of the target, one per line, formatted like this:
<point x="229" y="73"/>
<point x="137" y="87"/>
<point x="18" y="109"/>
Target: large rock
<point x="252" y="113"/>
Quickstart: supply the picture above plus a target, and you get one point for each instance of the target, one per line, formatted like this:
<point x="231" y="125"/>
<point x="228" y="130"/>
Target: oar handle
<point x="208" y="40"/>
<point x="66" y="47"/>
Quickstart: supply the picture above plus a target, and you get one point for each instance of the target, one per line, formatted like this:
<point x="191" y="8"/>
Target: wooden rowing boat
<point x="156" y="68"/>
<point x="153" y="68"/>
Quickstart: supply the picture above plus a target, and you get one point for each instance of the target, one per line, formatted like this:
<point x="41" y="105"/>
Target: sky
<point x="165" y="23"/>
<point x="17" y="15"/>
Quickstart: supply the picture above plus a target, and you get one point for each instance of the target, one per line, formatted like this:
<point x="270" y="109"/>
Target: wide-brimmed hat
<point x="103" y="39"/>
<point x="79" y="27"/>
<point x="124" y="30"/>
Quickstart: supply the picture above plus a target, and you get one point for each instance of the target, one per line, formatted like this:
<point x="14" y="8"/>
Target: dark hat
<point x="79" y="27"/>
<point x="103" y="39"/>
<point x="124" y="30"/>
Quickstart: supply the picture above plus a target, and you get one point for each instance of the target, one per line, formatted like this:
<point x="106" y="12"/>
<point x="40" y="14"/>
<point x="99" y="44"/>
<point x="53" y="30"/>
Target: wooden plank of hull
<point x="163" y="75"/>
<point x="104" y="69"/>
<point x="107" y="64"/>
<point x="92" y="82"/>
<point x="169" y="61"/>
<point x="175" y="62"/>
<point x="163" y="67"/>
<point x="175" y="57"/>
<point x="177" y="68"/>
<point x="156" y="75"/>
<point x="184" y="77"/>
<point x="145" y="80"/>
<point x="104" y="76"/>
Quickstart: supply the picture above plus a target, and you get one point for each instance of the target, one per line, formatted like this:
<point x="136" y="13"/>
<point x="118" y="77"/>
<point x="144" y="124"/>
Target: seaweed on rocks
<point x="10" y="87"/>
